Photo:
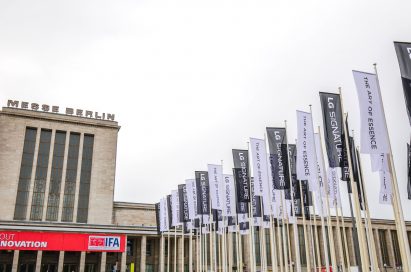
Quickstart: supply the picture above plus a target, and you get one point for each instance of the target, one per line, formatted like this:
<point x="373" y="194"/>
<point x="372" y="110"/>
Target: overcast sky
<point x="190" y="80"/>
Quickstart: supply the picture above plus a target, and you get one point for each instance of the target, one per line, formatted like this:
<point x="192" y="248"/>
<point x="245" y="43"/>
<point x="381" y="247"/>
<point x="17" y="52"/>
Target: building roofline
<point x="58" y="117"/>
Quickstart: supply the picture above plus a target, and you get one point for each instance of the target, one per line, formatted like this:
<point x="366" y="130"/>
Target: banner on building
<point x="61" y="241"/>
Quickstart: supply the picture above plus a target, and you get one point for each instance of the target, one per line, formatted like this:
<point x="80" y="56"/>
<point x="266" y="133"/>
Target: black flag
<point x="409" y="171"/>
<point x="277" y="141"/>
<point x="203" y="192"/>
<point x="182" y="197"/>
<point x="170" y="216"/>
<point x="333" y="128"/>
<point x="241" y="175"/>
<point x="403" y="50"/>
<point x="157" y="207"/>
<point x="256" y="202"/>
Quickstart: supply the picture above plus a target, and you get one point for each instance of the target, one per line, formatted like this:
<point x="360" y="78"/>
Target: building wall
<point x="13" y="123"/>
<point x="134" y="214"/>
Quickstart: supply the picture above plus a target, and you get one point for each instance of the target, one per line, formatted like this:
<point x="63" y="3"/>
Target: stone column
<point x="38" y="260"/>
<point x="82" y="261"/>
<point x="161" y="269"/>
<point x="179" y="253"/>
<point x="61" y="261"/>
<point x="15" y="264"/>
<point x="143" y="253"/>
<point x="103" y="262"/>
<point x="123" y="261"/>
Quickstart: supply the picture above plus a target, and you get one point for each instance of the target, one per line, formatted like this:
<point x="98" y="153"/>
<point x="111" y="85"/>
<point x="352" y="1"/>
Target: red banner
<point x="56" y="241"/>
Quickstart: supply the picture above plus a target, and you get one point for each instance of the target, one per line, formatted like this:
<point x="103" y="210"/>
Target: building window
<point x="149" y="268"/>
<point x="301" y="238"/>
<point x="149" y="248"/>
<point x="40" y="180"/>
<point x="85" y="177"/>
<point x="384" y="248"/>
<point x="256" y="247"/>
<point x="130" y="247"/>
<point x="26" y="167"/>
<point x="396" y="247"/>
<point x="55" y="176"/>
<point x="71" y="175"/>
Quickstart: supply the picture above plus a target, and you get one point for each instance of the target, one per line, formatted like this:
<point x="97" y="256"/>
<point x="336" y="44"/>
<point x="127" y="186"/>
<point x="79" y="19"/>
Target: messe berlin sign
<point x="57" y="109"/>
<point x="60" y="241"/>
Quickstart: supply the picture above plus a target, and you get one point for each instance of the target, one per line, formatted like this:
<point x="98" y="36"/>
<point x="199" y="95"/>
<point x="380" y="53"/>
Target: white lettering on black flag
<point x="215" y="176"/>
<point x="277" y="141"/>
<point x="229" y="196"/>
<point x="404" y="59"/>
<point x="306" y="157"/>
<point x="241" y="175"/>
<point x="182" y="198"/>
<point x="192" y="198"/>
<point x="203" y="195"/>
<point x="333" y="128"/>
<point x="260" y="170"/>
<point x="373" y="134"/>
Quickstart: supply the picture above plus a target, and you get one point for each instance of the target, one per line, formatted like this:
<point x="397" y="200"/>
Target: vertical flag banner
<point x="260" y="169"/>
<point x="229" y="196"/>
<point x="182" y="197"/>
<point x="157" y="208"/>
<point x="192" y="198"/>
<point x="321" y="176"/>
<point x="203" y="195"/>
<point x="385" y="188"/>
<point x="163" y="215"/>
<point x="241" y="175"/>
<point x="169" y="212"/>
<point x="306" y="158"/>
<point x="333" y="129"/>
<point x="175" y="221"/>
<point x="334" y="187"/>
<point x="255" y="205"/>
<point x="404" y="59"/>
<point x="409" y="171"/>
<point x="373" y="134"/>
<point x="215" y="176"/>
<point x="379" y="162"/>
<point x="277" y="141"/>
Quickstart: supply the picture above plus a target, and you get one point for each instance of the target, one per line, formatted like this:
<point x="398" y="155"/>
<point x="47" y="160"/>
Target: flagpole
<point x="307" y="255"/>
<point x="368" y="218"/>
<point x="295" y="227"/>
<point x="182" y="248"/>
<point x="322" y="216"/>
<point x="168" y="251"/>
<point x="338" y="231"/>
<point x="362" y="238"/>
<point x="329" y="224"/>
<point x="273" y="250"/>
<point x="396" y="199"/>
<point x="355" y="233"/>
<point x="190" y="251"/>
<point x="175" y="248"/>
<point x="347" y="255"/>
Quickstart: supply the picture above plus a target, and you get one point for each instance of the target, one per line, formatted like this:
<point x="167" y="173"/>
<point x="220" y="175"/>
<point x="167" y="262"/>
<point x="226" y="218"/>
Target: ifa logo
<point x="104" y="243"/>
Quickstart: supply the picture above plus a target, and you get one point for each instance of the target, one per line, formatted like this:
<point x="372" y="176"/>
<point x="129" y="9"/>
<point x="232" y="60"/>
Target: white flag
<point x="260" y="169"/>
<point x="379" y="162"/>
<point x="163" y="215"/>
<point x="322" y="176"/>
<point x="175" y="209"/>
<point x="192" y="198"/>
<point x="215" y="176"/>
<point x="271" y="200"/>
<point x="334" y="187"/>
<point x="229" y="207"/>
<point x="306" y="157"/>
<point x="385" y="188"/>
<point x="373" y="134"/>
